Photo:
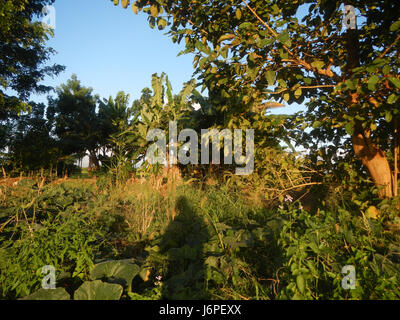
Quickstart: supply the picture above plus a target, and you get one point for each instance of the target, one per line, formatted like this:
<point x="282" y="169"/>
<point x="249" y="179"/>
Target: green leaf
<point x="226" y="37"/>
<point x="202" y="62"/>
<point x="317" y="124"/>
<point x="224" y="52"/>
<point x="252" y="72"/>
<point x="245" y="25"/>
<point x="372" y="82"/>
<point x="286" y="96"/>
<point x="275" y="9"/>
<point x="270" y="75"/>
<point x="49" y="294"/>
<point x="298" y="93"/>
<point x="98" y="290"/>
<point x="238" y="14"/>
<point x="349" y="128"/>
<point x="388" y="116"/>
<point x="386" y="69"/>
<point x="300" y="283"/>
<point x="395" y="26"/>
<point x="120" y="272"/>
<point x="162" y="23"/>
<point x="282" y="83"/>
<point x="395" y="82"/>
<point x="318" y="64"/>
<point x="308" y="81"/>
<point x="266" y="42"/>
<point x="392" y="98"/>
<point x="350" y="84"/>
<point x="284" y="37"/>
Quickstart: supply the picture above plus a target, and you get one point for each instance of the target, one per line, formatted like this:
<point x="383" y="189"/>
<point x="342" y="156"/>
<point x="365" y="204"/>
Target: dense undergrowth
<point x="164" y="238"/>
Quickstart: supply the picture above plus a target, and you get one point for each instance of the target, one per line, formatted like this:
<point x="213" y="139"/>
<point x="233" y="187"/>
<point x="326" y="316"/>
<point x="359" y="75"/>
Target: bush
<point x="316" y="247"/>
<point x="55" y="229"/>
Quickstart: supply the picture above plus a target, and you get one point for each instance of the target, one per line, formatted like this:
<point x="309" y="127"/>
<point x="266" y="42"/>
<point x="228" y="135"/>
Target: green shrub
<point x="316" y="247"/>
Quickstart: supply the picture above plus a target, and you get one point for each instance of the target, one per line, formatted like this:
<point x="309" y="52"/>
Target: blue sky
<point x="111" y="49"/>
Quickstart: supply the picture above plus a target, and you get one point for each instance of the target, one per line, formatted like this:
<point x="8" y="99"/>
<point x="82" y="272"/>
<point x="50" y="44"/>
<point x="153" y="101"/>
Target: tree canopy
<point x="251" y="52"/>
<point x="23" y="54"/>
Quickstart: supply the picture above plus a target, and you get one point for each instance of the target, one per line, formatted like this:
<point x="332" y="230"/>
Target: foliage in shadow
<point x="183" y="243"/>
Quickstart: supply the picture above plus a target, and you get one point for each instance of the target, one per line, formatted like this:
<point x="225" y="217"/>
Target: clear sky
<point x="111" y="49"/>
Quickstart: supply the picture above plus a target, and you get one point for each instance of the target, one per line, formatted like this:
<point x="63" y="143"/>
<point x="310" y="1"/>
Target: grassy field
<point x="163" y="237"/>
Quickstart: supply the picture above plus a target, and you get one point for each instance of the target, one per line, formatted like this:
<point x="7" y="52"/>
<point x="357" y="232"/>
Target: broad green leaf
<point x="392" y="98"/>
<point x="286" y="96"/>
<point x="245" y="25"/>
<point x="121" y="272"/>
<point x="308" y="81"/>
<point x="349" y="128"/>
<point x="388" y="116"/>
<point x="275" y="9"/>
<point x="318" y="64"/>
<point x="372" y="82"/>
<point x="252" y="72"/>
<point x="162" y="23"/>
<point x="49" y="294"/>
<point x="395" y="82"/>
<point x="395" y="26"/>
<point x="270" y="75"/>
<point x="284" y="37"/>
<point x="202" y="62"/>
<point x="238" y="14"/>
<point x="300" y="283"/>
<point x="98" y="290"/>
<point x="350" y="84"/>
<point x="226" y="37"/>
<point x="386" y="69"/>
<point x="282" y="83"/>
<point x="224" y="52"/>
<point x="283" y="54"/>
<point x="298" y="93"/>
<point x="317" y="124"/>
<point x="266" y="42"/>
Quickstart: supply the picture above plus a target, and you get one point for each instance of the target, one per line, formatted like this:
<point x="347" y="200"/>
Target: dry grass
<point x="144" y="200"/>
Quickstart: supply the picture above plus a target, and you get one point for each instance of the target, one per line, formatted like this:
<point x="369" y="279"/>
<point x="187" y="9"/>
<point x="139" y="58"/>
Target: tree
<point x="160" y="106"/>
<point x="114" y="116"/>
<point x="22" y="54"/>
<point x="116" y="135"/>
<point x="31" y="146"/>
<point x="250" y="52"/>
<point x="76" y="124"/>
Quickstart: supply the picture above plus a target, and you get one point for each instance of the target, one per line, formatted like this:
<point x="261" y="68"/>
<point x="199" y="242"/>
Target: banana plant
<point x="157" y="107"/>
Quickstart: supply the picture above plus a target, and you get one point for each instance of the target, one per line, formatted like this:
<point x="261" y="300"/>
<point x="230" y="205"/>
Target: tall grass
<point x="205" y="239"/>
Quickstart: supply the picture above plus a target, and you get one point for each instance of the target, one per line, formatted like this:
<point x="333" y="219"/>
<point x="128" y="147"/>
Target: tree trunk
<point x="93" y="161"/>
<point x="376" y="162"/>
<point x="372" y="157"/>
